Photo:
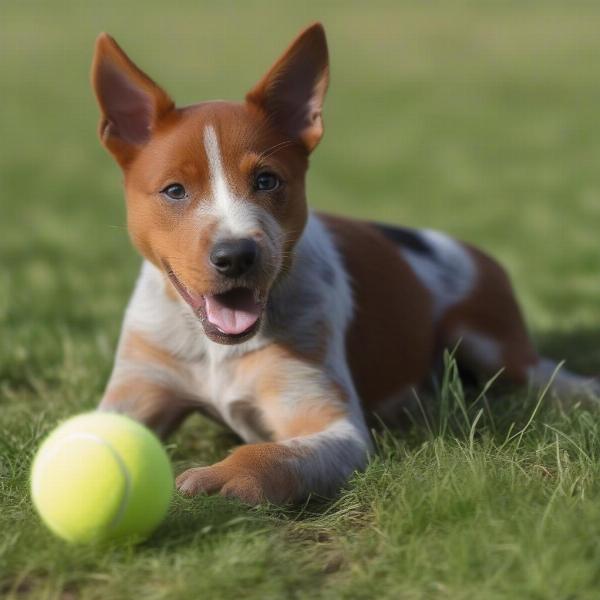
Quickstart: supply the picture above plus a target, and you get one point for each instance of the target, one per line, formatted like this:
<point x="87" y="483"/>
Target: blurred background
<point x="478" y="118"/>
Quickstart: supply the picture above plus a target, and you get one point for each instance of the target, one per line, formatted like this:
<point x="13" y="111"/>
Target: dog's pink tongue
<point x="233" y="312"/>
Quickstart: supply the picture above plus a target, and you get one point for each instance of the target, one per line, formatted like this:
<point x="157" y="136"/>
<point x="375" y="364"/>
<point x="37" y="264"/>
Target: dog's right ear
<point x="130" y="102"/>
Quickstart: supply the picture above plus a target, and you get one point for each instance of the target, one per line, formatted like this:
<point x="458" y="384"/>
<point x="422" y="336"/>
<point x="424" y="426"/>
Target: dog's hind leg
<point x="489" y="331"/>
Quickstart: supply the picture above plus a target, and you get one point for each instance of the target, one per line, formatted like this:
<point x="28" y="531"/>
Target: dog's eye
<point x="266" y="182"/>
<point x="174" y="191"/>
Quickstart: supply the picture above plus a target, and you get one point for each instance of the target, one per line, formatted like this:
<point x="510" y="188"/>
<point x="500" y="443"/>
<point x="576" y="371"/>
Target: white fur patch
<point x="237" y="218"/>
<point x="449" y="273"/>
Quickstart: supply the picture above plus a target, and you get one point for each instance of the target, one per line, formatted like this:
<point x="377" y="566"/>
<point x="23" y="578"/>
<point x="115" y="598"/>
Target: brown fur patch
<point x="311" y="419"/>
<point x="391" y="339"/>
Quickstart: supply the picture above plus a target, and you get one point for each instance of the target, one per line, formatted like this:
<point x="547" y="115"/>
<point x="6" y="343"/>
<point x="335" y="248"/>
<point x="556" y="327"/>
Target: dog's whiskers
<point x="273" y="149"/>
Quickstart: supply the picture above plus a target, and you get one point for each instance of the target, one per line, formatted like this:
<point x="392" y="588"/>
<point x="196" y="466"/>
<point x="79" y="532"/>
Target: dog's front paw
<point x="254" y="474"/>
<point x="244" y="486"/>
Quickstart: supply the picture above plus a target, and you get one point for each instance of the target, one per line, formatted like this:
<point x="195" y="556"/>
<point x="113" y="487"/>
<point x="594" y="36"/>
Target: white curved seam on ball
<point x="125" y="499"/>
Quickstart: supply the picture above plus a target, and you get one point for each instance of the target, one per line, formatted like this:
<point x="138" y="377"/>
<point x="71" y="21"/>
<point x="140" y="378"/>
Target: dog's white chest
<point x="229" y="396"/>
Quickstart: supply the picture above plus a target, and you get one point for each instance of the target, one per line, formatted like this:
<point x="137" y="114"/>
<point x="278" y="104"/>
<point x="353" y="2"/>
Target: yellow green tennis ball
<point x="101" y="476"/>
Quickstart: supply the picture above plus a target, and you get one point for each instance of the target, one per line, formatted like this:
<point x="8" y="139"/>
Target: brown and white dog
<point x="289" y="327"/>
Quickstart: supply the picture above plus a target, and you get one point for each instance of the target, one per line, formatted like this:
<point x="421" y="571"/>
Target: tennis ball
<point x="101" y="476"/>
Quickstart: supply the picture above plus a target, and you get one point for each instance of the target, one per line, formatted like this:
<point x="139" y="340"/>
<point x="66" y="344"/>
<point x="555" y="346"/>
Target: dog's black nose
<point x="233" y="258"/>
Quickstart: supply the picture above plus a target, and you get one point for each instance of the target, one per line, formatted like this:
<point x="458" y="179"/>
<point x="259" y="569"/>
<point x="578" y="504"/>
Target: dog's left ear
<point x="293" y="91"/>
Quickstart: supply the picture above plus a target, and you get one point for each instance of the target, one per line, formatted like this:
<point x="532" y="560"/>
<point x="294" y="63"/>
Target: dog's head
<point x="215" y="191"/>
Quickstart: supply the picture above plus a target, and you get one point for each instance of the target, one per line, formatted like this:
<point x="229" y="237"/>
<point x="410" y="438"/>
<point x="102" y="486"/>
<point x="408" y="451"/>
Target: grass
<point x="477" y="118"/>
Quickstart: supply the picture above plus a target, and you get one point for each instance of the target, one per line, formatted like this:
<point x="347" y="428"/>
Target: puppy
<point x="287" y="326"/>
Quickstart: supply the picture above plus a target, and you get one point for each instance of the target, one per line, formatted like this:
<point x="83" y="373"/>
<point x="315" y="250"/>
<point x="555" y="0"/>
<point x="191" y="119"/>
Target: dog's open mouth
<point x="234" y="312"/>
<point x="229" y="317"/>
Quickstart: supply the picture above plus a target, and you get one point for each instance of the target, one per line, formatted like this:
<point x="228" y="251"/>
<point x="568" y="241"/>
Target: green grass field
<point x="479" y="118"/>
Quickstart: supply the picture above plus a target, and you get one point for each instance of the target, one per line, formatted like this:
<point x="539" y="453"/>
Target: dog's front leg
<point x="317" y="438"/>
<point x="148" y="384"/>
<point x="286" y="471"/>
